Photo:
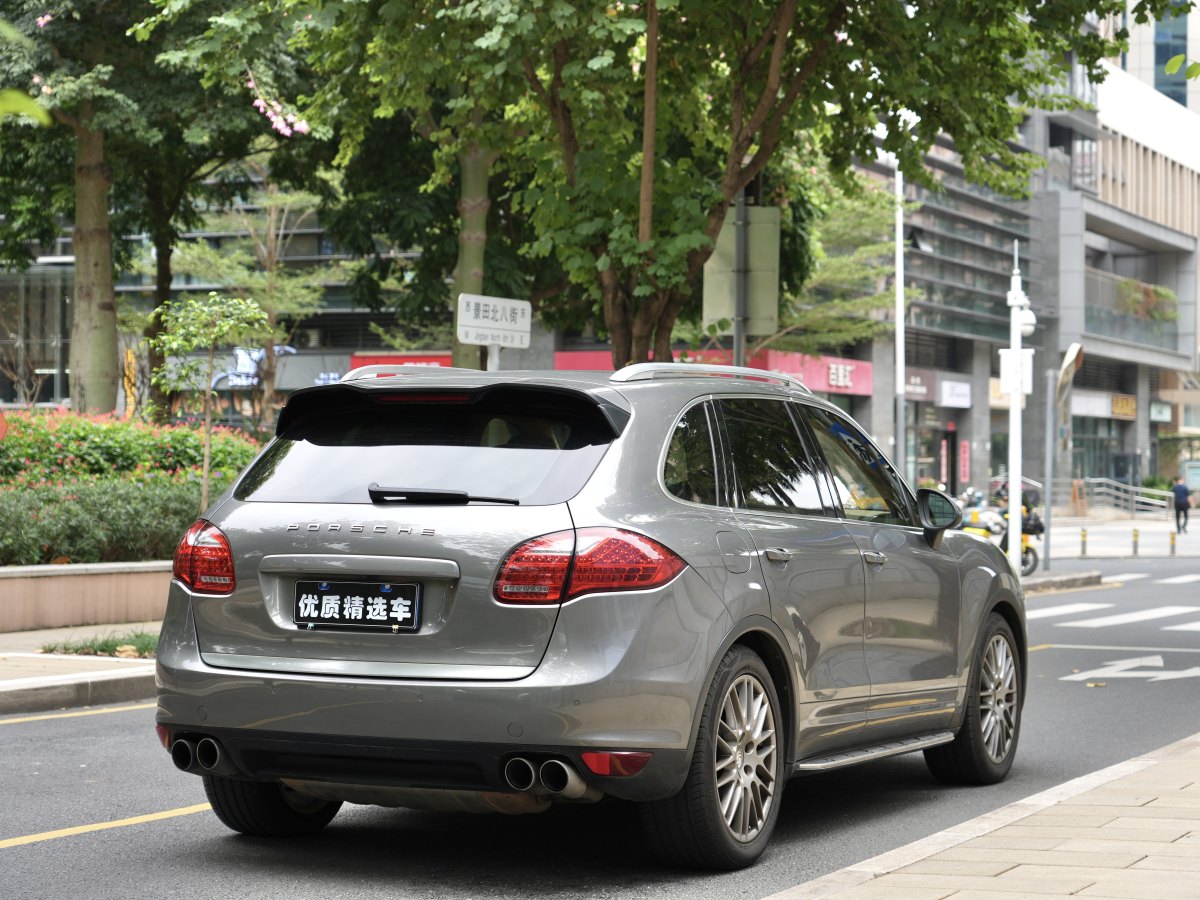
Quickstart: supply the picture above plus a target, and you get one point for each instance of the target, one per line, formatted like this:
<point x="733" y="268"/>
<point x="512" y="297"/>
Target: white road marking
<point x="1189" y="626"/>
<point x="1178" y="579"/>
<point x="1124" y="576"/>
<point x="1066" y="610"/>
<point x="1142" y="615"/>
<point x="1127" y="668"/>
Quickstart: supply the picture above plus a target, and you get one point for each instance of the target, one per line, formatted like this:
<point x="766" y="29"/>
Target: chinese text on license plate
<point x="384" y="606"/>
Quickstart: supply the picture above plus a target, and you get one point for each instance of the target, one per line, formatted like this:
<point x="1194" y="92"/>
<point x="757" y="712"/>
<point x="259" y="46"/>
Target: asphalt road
<point x="1097" y="696"/>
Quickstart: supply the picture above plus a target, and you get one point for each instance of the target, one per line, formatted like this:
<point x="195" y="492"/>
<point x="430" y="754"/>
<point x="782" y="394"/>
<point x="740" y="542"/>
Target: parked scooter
<point x="1031" y="527"/>
<point x="977" y="514"/>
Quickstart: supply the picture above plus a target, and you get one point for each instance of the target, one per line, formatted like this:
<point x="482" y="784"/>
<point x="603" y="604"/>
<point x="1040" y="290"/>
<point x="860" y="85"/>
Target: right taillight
<point x="558" y="567"/>
<point x="203" y="560"/>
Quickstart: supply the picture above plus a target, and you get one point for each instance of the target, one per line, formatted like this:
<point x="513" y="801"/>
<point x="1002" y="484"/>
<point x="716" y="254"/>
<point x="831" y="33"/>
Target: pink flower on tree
<point x="43" y="21"/>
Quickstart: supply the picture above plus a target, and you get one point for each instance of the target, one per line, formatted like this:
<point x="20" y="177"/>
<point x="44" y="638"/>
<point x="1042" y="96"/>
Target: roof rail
<point x="363" y="373"/>
<point x="650" y="371"/>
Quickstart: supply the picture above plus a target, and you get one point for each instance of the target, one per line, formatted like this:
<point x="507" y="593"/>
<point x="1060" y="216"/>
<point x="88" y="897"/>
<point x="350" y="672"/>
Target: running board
<point x="879" y="751"/>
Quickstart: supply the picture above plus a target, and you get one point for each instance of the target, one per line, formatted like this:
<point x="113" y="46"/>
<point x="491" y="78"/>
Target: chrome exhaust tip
<point x="183" y="754"/>
<point x="212" y="759"/>
<point x="519" y="774"/>
<point x="562" y="780"/>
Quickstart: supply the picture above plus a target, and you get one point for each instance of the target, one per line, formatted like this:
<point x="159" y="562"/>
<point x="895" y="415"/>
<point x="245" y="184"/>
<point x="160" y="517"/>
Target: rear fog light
<point x="620" y="763"/>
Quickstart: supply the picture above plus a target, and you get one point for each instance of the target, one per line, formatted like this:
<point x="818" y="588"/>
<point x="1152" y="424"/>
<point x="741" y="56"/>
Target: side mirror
<point x="938" y="512"/>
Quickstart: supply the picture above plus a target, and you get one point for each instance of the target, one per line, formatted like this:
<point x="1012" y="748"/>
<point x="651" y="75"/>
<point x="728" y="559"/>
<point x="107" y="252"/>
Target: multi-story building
<point x="1155" y="42"/>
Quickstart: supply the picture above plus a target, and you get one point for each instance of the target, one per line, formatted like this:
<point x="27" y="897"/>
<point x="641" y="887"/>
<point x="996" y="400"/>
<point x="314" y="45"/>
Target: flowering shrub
<point x="60" y="446"/>
<point x="126" y="518"/>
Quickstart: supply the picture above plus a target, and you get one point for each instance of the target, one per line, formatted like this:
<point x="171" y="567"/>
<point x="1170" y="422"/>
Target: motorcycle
<point x="1031" y="527"/>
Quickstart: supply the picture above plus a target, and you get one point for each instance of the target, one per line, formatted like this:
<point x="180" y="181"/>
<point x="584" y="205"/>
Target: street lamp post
<point x="1021" y="323"/>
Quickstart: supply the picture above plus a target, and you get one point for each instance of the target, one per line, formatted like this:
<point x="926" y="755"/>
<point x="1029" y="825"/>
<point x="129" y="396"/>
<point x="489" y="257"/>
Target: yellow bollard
<point x="1083" y="542"/>
<point x="1135" y="541"/>
<point x="1172" y="543"/>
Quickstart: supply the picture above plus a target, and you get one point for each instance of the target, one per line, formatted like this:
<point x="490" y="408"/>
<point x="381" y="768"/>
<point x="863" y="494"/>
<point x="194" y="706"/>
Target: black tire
<point x="267" y="809"/>
<point x="1029" y="561"/>
<point x="983" y="750"/>
<point x="726" y="823"/>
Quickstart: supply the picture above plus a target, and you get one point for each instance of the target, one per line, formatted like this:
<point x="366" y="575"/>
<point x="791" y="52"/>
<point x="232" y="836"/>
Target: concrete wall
<point x="88" y="594"/>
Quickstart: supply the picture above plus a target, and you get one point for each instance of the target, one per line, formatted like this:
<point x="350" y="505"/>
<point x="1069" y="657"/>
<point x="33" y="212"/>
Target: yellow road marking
<point x="102" y="826"/>
<point x="72" y="715"/>
<point x="1041" y="647"/>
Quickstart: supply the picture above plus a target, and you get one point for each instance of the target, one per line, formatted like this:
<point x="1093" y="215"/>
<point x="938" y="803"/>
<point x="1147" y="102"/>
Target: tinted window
<point x="773" y="469"/>
<point x="532" y="448"/>
<point x="690" y="471"/>
<point x="865" y="487"/>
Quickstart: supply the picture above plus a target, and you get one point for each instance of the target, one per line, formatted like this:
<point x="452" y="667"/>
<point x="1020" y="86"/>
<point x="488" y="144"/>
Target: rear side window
<point x="690" y="469"/>
<point x="530" y="447"/>
<point x="773" y="468"/>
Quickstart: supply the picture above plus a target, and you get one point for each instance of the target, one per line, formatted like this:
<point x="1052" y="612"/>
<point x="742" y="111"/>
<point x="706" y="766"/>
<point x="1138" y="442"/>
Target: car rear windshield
<point x="531" y="447"/>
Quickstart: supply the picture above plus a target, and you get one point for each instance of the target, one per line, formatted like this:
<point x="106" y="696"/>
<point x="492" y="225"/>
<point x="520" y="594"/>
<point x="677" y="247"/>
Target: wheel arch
<point x="764" y="638"/>
<point x="1007" y="610"/>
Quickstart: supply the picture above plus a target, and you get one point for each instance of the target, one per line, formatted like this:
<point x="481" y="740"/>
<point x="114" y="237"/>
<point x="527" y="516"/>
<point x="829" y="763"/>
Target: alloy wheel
<point x="746" y="758"/>
<point x="998" y="698"/>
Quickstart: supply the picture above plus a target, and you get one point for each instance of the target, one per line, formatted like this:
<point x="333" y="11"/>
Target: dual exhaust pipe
<point x="553" y="776"/>
<point x="203" y="757"/>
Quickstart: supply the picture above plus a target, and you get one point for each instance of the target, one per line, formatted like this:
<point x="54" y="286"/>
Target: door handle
<point x="874" y="557"/>
<point x="778" y="554"/>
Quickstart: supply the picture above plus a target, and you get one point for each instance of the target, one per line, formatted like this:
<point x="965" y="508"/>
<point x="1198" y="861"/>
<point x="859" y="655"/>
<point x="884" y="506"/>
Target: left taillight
<point x="203" y="560"/>
<point x="558" y="567"/>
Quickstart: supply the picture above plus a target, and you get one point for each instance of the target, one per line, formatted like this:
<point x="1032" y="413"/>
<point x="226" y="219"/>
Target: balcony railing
<point x="1107" y="314"/>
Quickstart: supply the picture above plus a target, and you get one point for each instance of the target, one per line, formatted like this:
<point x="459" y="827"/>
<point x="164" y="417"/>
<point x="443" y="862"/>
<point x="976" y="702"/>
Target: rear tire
<point x="267" y="809"/>
<point x="983" y="750"/>
<point x="726" y="811"/>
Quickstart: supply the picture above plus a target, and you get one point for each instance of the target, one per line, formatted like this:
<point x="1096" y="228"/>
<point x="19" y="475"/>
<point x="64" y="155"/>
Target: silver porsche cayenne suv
<point x="676" y="585"/>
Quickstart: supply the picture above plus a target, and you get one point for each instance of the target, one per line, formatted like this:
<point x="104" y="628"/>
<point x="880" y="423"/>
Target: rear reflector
<point x="203" y="560"/>
<point x="564" y="565"/>
<point x="619" y="763"/>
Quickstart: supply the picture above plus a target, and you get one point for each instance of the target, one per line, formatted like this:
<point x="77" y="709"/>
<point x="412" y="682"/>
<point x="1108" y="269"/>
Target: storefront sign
<point x="1096" y="404"/>
<point x="956" y="394"/>
<point x="1124" y="406"/>
<point x="919" y="384"/>
<point x="964" y="462"/>
<point x="1160" y="411"/>
<point x="821" y="374"/>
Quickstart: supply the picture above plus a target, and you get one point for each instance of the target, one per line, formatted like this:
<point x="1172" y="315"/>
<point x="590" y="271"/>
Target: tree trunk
<point x="160" y="397"/>
<point x="267" y="371"/>
<point x="617" y="317"/>
<point x="94" y="358"/>
<point x="206" y="438"/>
<point x="649" y="126"/>
<point x="474" y="167"/>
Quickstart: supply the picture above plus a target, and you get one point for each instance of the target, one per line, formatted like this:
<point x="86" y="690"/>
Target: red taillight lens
<point x="593" y="559"/>
<point x="203" y="560"/>
<point x="618" y="762"/>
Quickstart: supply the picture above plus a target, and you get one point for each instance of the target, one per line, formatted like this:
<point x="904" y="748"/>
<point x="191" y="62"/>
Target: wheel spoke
<point x="998" y="698"/>
<point x="745" y="759"/>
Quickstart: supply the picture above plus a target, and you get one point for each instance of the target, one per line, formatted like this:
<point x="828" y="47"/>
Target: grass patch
<point x="130" y="645"/>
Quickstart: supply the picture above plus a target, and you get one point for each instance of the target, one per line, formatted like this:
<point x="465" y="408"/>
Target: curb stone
<point x="89" y="691"/>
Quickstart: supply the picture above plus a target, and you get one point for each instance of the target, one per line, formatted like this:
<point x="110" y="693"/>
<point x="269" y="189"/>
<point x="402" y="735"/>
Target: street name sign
<point x="494" y="321"/>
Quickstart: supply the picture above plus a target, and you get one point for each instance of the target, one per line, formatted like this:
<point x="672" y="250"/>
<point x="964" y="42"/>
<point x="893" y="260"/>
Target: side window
<point x="690" y="472"/>
<point x="865" y="487"/>
<point x="773" y="468"/>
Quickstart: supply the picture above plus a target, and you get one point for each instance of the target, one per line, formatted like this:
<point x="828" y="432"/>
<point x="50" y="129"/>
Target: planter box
<point x="86" y="594"/>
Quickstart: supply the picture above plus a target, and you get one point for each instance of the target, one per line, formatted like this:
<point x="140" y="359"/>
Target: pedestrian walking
<point x="1182" y="504"/>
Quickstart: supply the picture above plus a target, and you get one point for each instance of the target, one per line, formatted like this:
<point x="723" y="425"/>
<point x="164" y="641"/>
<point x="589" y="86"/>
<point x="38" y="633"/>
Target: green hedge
<point x="60" y="446"/>
<point x="122" y="519"/>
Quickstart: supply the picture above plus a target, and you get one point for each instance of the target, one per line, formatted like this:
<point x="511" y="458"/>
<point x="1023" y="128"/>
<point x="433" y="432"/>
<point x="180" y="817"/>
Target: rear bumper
<point x="632" y="679"/>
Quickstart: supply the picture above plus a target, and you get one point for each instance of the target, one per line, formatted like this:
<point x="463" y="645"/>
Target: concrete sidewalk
<point x="1129" y="831"/>
<point x="33" y="681"/>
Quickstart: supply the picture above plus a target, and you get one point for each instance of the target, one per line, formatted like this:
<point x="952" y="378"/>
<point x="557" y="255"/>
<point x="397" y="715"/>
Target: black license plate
<point x="373" y="605"/>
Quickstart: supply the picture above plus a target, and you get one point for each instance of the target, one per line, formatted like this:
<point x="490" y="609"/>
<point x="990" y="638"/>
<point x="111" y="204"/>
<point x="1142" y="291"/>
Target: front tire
<point x="983" y="750"/>
<point x="267" y="809"/>
<point x="725" y="813"/>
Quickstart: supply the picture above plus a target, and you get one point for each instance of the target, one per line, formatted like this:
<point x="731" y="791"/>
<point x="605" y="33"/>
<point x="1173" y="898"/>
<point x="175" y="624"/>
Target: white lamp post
<point x="1018" y="381"/>
<point x="901" y="419"/>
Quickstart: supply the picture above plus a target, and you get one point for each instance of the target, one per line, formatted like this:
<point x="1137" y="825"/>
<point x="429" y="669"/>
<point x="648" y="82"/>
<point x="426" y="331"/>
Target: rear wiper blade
<point x="426" y="496"/>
